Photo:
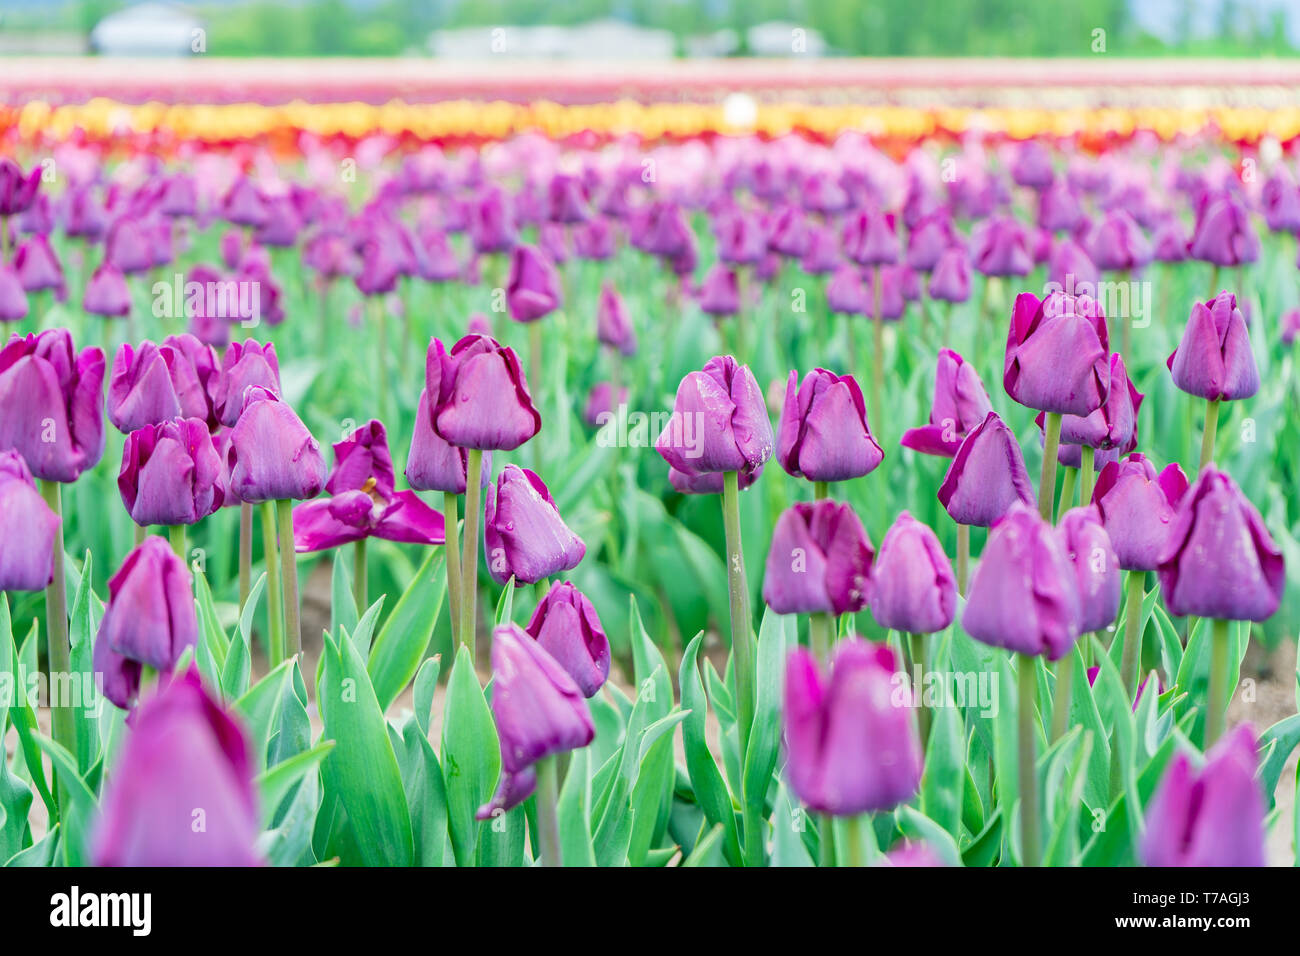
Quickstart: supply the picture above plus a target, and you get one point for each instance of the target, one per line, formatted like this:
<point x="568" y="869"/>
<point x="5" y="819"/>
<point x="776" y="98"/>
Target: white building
<point x="149" y="29"/>
<point x="596" y="40"/>
<point x="779" y="38"/>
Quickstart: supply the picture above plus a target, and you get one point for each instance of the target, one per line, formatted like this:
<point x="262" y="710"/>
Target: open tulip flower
<point x="960" y="404"/>
<point x="27" y="526"/>
<point x="823" y="432"/>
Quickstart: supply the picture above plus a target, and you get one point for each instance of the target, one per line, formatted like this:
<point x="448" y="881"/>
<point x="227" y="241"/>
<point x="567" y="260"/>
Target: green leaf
<point x="943" y="783"/>
<point x="260" y="707"/>
<point x="426" y="794"/>
<point x="276" y="783"/>
<point x="471" y="756"/>
<point x="13" y="674"/>
<point x="426" y="683"/>
<point x="343" y="606"/>
<point x="774" y="638"/>
<point x="86" y="611"/>
<point x="788" y="848"/>
<point x="362" y="770"/>
<point x="575" y="812"/>
<point x="919" y="827"/>
<point x="706" y="780"/>
<point x="78" y="809"/>
<point x="401" y="645"/>
<point x="708" y="849"/>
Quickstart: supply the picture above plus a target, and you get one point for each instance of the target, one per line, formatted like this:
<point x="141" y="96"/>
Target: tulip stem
<point x="853" y="831"/>
<point x="821" y="489"/>
<point x="1132" y="650"/>
<point x="274" y="597"/>
<point x="1217" y="714"/>
<point x="878" y="351"/>
<point x="1067" y="492"/>
<point x="289" y="579"/>
<point x="963" y="557"/>
<point x="4" y="239"/>
<point x="1028" y="691"/>
<point x="176" y="535"/>
<point x="826" y="846"/>
<point x="63" y="725"/>
<point x="469" y="557"/>
<point x="360" y="577"/>
<point x="245" y="553"/>
<point x="1047" y="483"/>
<point x="1061" y="702"/>
<point x="1087" y="474"/>
<point x="743" y="655"/>
<point x="451" y="526"/>
<point x="548" y="820"/>
<point x="916" y="650"/>
<point x="381" y="351"/>
<point x="141" y="532"/>
<point x="1211" y="430"/>
<point x="819" y="635"/>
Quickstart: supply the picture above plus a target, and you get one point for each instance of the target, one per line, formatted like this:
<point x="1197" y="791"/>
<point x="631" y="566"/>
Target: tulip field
<point x="860" y="488"/>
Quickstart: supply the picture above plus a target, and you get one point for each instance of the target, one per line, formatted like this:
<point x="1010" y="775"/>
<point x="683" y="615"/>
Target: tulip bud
<point x="719" y="422"/>
<point x="931" y="238"/>
<point x="183" y="752"/>
<point x="1219" y="560"/>
<point x="1169" y="242"/>
<point x="987" y="475"/>
<point x="171" y="473"/>
<point x="613" y="324"/>
<point x="1114" y="423"/>
<point x="1137" y="508"/>
<point x="1223" y="234"/>
<point x="491" y="225"/>
<point x="912" y="585"/>
<point x="150" y="615"/>
<point x="950" y="281"/>
<point x="1211" y="817"/>
<point x="851" y="743"/>
<point x="478" y="396"/>
<point x="538" y="709"/>
<point x="106" y="293"/>
<point x="1214" y="360"/>
<point x="960" y="405"/>
<point x="566" y="625"/>
<point x="846" y="293"/>
<point x="870" y="239"/>
<point x="243" y="204"/>
<point x="602" y="404"/>
<point x="819" y="561"/>
<point x="38" y="267"/>
<point x="823" y="433"/>
<point x="13" y="297"/>
<point x="1024" y="595"/>
<point x="1117" y="242"/>
<point x="1059" y="209"/>
<point x="1058" y="353"/>
<point x="720" y="292"/>
<point x="244" y="365"/>
<point x="1096" y="568"/>
<point x="533" y="289"/>
<point x="27" y="527"/>
<point x="1000" y="247"/>
<point x="272" y="455"/>
<point x="17" y="190"/>
<point x="53" y="405"/>
<point x="525" y="536"/>
<point x="823" y="252"/>
<point x="1031" y="165"/>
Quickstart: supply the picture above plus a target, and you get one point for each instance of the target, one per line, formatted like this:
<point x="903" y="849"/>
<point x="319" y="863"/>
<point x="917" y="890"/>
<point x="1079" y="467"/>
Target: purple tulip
<point x="566" y="201"/>
<point x="819" y="561"/>
<point x="244" y="365"/>
<point x="1096" y="568"/>
<point x="27" y="526"/>
<point x="1214" y="359"/>
<point x="1069" y="267"/>
<point x="932" y="237"/>
<point x="432" y="463"/>
<point x="1000" y="247"/>
<point x="846" y="293"/>
<point x="1117" y="242"/>
<point x="273" y="456"/>
<point x="364" y="503"/>
<point x="171" y="473"/>
<point x="539" y="712"/>
<point x="1137" y="508"/>
<point x="1223" y="234"/>
<point x="950" y="281"/>
<point x="1280" y="200"/>
<point x="823" y="252"/>
<point x="594" y="241"/>
<point x="720" y="291"/>
<point x="1059" y="209"/>
<point x="1211" y="817"/>
<point x="149" y="619"/>
<point x="107" y="293"/>
<point x="719" y="422"/>
<point x="1032" y="165"/>
<point x="155" y="384"/>
<point x="987" y="475"/>
<point x="602" y="404"/>
<point x="870" y="239"/>
<point x="851" y="742"/>
<point x="1114" y="424"/>
<point x="179" y="196"/>
<point x="38" y="267"/>
<point x="13" y="297"/>
<point x="822" y="194"/>
<point x="912" y="585"/>
<point x="17" y="190"/>
<point x="525" y="536"/>
<point x="892" y="300"/>
<point x="1169" y="242"/>
<point x="184" y="754"/>
<point x="1024" y="595"/>
<point x="491" y="225"/>
<point x="566" y="625"/>
<point x="788" y="233"/>
<point x="960" y="404"/>
<point x="478" y="396"/>
<point x="913" y="855"/>
<point x="1219" y="560"/>
<point x="1290" y="323"/>
<point x="613" y="324"/>
<point x="53" y="406"/>
<point x="243" y="204"/>
<point x="533" y="289"/>
<point x="1058" y="351"/>
<point x="85" y="217"/>
<point x="128" y="247"/>
<point x="823" y="434"/>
